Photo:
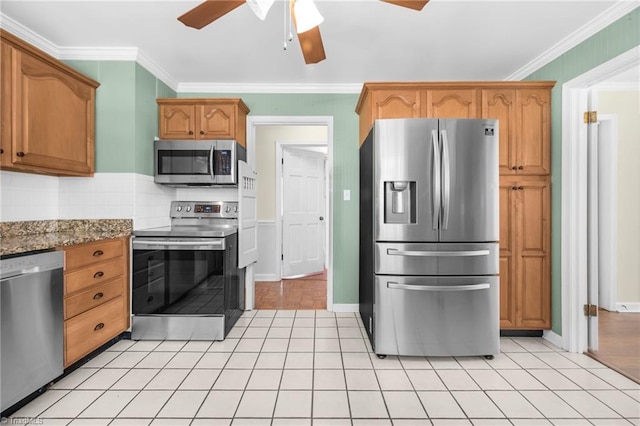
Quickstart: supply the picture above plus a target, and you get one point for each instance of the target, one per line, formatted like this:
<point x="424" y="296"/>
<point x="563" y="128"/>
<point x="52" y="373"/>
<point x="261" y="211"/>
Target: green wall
<point x="617" y="38"/>
<point x="345" y="170"/>
<point x="126" y="114"/>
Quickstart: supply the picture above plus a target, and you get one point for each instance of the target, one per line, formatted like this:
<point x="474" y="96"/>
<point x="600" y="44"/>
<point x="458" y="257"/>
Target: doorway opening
<point x="294" y="269"/>
<point x="581" y="265"/>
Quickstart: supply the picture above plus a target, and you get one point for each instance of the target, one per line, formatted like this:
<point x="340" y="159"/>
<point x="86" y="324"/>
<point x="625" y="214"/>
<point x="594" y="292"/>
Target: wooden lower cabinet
<point x="525" y="258"/>
<point x="96" y="295"/>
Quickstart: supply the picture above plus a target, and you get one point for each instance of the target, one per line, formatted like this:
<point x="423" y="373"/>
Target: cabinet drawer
<point x="87" y="277"/>
<point x="90" y="330"/>
<point x="91" y="298"/>
<point x="88" y="254"/>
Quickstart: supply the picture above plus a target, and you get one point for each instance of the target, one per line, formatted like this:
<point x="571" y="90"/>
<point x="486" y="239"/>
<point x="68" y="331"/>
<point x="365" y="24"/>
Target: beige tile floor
<point x="316" y="368"/>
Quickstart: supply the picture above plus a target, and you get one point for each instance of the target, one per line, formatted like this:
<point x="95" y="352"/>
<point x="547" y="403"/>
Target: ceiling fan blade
<point x="311" y="45"/>
<point x="207" y="12"/>
<point x="411" y="4"/>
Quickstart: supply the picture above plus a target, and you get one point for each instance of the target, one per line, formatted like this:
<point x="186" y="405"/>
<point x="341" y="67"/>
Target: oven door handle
<point x="178" y="245"/>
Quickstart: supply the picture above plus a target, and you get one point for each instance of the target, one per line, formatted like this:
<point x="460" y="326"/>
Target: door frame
<point x="574" y="197"/>
<point x="255" y="121"/>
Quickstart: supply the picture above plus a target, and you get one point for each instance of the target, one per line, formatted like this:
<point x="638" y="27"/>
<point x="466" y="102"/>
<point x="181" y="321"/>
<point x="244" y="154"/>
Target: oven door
<point x="187" y="277"/>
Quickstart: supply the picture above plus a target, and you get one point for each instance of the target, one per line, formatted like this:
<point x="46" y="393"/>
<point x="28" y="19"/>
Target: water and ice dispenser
<point x="400" y="201"/>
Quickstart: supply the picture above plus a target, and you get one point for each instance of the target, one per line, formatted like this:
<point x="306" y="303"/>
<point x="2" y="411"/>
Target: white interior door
<point x="247" y="218"/>
<point x="592" y="230"/>
<point x="302" y="212"/>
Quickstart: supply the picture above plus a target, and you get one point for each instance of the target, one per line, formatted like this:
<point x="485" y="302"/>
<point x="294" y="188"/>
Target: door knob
<point x="321" y="217"/>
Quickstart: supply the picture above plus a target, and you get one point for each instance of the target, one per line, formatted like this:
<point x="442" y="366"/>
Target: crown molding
<point x="618" y="87"/>
<point x="98" y="53"/>
<point x="160" y="73"/>
<point x="349" y="88"/>
<point x="606" y="18"/>
<point x="31" y="37"/>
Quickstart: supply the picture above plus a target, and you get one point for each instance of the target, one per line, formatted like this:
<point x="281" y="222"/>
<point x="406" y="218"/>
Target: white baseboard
<point x="346" y="307"/>
<point x="266" y="277"/>
<point x="552" y="337"/>
<point x="628" y="307"/>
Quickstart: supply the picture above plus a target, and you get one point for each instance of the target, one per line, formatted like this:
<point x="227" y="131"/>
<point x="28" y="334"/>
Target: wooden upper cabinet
<point x="501" y="104"/>
<point x="533" y="139"/>
<point x="48" y="113"/>
<point x="199" y="119"/>
<point x="451" y="103"/>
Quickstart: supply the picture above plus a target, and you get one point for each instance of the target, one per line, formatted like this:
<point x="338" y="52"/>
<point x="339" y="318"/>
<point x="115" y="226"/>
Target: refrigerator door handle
<point x="469" y="287"/>
<point x="446" y="179"/>
<point x="461" y="253"/>
<point x="435" y="180"/>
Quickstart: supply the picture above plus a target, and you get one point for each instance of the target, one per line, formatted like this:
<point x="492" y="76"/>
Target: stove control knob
<point x="188" y="208"/>
<point x="235" y="209"/>
<point x="227" y="209"/>
<point x="179" y="208"/>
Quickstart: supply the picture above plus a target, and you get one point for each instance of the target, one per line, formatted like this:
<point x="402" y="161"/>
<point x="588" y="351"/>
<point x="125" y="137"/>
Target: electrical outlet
<point x="346" y="195"/>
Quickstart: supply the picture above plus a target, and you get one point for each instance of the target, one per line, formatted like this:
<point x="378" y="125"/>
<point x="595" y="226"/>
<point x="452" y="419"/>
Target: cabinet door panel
<point x="533" y="261"/>
<point x="56" y="125"/>
<point x="452" y="103"/>
<point x="500" y="105"/>
<point x="534" y="132"/>
<point x="507" y="293"/>
<point x="397" y="104"/>
<point x="177" y="122"/>
<point x="216" y="121"/>
<point x="5" y="104"/>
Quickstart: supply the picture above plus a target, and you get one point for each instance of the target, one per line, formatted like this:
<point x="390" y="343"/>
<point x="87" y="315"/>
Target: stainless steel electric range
<point x="186" y="280"/>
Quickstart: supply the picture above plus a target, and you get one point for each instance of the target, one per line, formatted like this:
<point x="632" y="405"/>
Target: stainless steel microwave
<point x="197" y="163"/>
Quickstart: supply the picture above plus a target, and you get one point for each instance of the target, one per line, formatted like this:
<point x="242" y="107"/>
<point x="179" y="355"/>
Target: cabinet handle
<point x="521" y="188"/>
<point x="98" y="253"/>
<point x="98" y="296"/>
<point x="98" y="327"/>
<point x="190" y="132"/>
<point x="520" y="167"/>
<point x="514" y="167"/>
<point x="149" y="299"/>
<point x="20" y="154"/>
<point x="98" y="274"/>
<point x="202" y="132"/>
<point x="515" y="188"/>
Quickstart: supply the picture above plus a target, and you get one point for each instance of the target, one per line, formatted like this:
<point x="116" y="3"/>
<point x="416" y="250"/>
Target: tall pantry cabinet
<point x="524" y="113"/>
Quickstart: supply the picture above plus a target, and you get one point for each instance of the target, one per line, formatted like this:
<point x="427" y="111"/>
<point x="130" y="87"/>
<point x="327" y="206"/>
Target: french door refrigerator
<point x="429" y="231"/>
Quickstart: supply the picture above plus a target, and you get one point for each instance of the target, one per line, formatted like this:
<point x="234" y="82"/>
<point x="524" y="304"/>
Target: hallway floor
<point x="303" y="368"/>
<point x="619" y="342"/>
<point x="308" y="292"/>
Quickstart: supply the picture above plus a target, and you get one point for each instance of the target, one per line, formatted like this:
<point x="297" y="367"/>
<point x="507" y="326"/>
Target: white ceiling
<point x="365" y="40"/>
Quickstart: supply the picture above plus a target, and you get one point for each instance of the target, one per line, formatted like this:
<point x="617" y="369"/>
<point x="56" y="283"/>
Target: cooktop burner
<point x="197" y="219"/>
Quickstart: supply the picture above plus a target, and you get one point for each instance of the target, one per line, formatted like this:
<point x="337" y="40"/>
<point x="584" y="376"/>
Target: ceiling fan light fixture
<point x="306" y="15"/>
<point x="260" y="7"/>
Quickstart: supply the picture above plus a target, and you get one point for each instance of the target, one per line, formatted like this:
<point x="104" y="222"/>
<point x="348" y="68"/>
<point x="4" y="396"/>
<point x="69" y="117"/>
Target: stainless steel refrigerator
<point x="429" y="231"/>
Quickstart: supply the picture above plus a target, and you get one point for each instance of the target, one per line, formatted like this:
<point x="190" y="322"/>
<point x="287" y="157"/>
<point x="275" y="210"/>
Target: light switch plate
<point x="346" y="195"/>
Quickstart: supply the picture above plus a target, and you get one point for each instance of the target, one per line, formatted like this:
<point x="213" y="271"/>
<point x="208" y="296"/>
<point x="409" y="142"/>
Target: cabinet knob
<point x="515" y="188"/>
<point x="202" y="132"/>
<point x="98" y="327"/>
<point x="521" y="188"/>
<point x="20" y="154"/>
<point x="520" y="167"/>
<point x="190" y="132"/>
<point x="514" y="167"/>
<point x="1" y="151"/>
<point x="98" y="253"/>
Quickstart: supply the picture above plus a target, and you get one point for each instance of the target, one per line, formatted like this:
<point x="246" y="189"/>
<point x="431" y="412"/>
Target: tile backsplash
<point x="26" y="197"/>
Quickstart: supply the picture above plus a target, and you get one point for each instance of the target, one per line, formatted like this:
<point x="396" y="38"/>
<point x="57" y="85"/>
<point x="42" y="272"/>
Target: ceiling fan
<point x="305" y="16"/>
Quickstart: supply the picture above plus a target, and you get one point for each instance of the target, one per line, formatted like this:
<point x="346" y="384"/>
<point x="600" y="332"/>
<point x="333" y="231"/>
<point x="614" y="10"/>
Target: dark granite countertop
<point x="22" y="237"/>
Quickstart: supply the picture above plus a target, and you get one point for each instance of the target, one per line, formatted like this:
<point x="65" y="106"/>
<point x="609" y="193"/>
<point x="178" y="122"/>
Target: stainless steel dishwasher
<point x="31" y="339"/>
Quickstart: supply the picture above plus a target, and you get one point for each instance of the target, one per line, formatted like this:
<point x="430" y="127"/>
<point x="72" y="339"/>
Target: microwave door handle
<point x="211" y="168"/>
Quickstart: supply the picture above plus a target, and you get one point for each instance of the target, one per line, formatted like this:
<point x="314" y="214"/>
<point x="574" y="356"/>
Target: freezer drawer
<point x="450" y="316"/>
<point x="437" y="259"/>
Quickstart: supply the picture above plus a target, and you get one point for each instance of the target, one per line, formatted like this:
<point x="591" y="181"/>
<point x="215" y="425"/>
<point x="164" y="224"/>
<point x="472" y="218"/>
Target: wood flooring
<point x="299" y="293"/>
<point x="619" y="342"/>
